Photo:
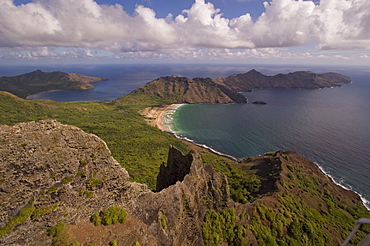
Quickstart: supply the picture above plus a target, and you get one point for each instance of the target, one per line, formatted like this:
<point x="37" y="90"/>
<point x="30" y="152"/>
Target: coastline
<point x="155" y="116"/>
<point x="365" y="202"/>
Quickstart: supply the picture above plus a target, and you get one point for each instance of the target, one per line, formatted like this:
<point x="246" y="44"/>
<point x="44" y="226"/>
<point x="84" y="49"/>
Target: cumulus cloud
<point x="330" y="24"/>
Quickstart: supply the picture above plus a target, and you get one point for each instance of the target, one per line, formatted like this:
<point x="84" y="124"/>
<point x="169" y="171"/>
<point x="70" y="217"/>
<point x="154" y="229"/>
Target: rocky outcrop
<point x="39" y="81"/>
<point x="178" y="166"/>
<point x="183" y="205"/>
<point x="66" y="175"/>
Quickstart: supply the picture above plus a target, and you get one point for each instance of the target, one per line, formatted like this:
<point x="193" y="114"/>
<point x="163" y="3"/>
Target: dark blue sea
<point x="329" y="126"/>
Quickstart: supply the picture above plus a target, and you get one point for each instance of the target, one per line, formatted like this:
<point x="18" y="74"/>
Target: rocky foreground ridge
<point x="39" y="81"/>
<point x="59" y="174"/>
<point x="53" y="174"/>
<point x="179" y="89"/>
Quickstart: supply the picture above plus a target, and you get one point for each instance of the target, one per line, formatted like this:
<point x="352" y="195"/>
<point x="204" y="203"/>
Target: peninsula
<point x="179" y="89"/>
<point x="39" y="81"/>
<point x="83" y="173"/>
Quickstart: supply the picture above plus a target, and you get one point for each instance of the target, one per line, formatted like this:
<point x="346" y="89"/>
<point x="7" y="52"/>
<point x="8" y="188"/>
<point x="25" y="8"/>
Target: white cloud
<point x="86" y="25"/>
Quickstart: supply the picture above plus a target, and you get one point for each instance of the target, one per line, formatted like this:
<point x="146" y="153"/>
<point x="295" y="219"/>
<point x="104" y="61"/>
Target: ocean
<point x="329" y="126"/>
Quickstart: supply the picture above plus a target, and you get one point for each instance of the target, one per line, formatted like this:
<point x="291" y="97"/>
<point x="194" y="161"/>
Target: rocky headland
<point x="56" y="180"/>
<point x="179" y="89"/>
<point x="39" y="81"/>
<point x="53" y="173"/>
<point x="61" y="186"/>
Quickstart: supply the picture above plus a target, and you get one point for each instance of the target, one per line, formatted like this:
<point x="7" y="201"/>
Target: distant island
<point x="39" y="81"/>
<point x="61" y="184"/>
<point x="259" y="102"/>
<point x="175" y="88"/>
<point x="179" y="89"/>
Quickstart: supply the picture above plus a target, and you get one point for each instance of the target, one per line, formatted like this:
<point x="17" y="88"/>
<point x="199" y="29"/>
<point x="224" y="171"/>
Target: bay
<point x="328" y="126"/>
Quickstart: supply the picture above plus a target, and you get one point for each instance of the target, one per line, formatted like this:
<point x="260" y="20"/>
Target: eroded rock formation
<point x="67" y="175"/>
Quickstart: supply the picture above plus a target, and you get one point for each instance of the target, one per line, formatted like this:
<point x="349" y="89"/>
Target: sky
<point x="275" y="31"/>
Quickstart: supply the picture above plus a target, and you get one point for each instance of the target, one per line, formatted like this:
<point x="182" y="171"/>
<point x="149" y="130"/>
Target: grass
<point x="137" y="146"/>
<point x="23" y="215"/>
<point x="141" y="149"/>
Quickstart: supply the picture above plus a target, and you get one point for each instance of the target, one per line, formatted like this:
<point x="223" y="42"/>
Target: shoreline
<point x="365" y="202"/>
<point x="155" y="116"/>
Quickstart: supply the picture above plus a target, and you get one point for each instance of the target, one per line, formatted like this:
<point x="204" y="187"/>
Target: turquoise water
<point x="330" y="127"/>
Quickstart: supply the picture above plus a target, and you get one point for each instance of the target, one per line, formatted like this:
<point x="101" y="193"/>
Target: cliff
<point x="54" y="174"/>
<point x="56" y="178"/>
<point x="39" y="81"/>
<point x="178" y="89"/>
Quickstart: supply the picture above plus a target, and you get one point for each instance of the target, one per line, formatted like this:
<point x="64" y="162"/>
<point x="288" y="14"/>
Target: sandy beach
<point x="155" y="115"/>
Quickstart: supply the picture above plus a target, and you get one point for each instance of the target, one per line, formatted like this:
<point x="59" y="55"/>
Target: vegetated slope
<point x="60" y="185"/>
<point x="55" y="175"/>
<point x="300" y="79"/>
<point x="298" y="204"/>
<point x="286" y="198"/>
<point x="178" y="89"/>
<point x="137" y="146"/>
<point x="39" y="81"/>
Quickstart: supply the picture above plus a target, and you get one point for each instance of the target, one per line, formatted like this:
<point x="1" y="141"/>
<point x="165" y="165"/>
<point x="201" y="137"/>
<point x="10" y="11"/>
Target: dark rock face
<point x="184" y="204"/>
<point x="68" y="175"/>
<point x="178" y="166"/>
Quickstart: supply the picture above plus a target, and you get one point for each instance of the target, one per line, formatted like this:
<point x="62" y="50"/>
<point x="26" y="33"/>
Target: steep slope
<point x="56" y="172"/>
<point x="55" y="177"/>
<point x="299" y="204"/>
<point x="178" y="89"/>
<point x="39" y="81"/>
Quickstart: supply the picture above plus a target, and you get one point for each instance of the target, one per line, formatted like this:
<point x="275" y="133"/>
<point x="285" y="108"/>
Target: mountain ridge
<point x="39" y="81"/>
<point x="179" y="89"/>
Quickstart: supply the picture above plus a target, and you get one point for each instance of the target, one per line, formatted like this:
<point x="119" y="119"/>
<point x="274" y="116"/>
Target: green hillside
<point x="281" y="198"/>
<point x="39" y="81"/>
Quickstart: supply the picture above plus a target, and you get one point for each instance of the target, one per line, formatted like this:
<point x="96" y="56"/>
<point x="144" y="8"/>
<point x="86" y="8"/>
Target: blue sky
<point x="275" y="31"/>
<point x="230" y="8"/>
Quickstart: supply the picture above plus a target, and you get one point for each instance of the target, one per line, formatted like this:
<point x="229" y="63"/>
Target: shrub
<point x="95" y="218"/>
<point x="67" y="179"/>
<point x="221" y="227"/>
<point x="113" y="243"/>
<point x="21" y="217"/>
<point x="94" y="182"/>
<point x="59" y="233"/>
<point x="112" y="215"/>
